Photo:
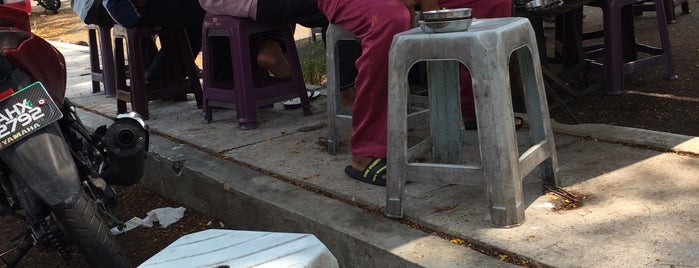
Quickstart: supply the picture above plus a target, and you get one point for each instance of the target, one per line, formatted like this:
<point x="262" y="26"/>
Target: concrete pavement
<point x="640" y="190"/>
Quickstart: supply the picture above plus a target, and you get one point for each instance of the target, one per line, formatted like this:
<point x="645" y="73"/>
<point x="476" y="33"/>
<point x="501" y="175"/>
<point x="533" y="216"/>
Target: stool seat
<point x="233" y="248"/>
<point x="485" y="49"/>
<point x="228" y="36"/>
<point x="101" y="51"/>
<point x="181" y="76"/>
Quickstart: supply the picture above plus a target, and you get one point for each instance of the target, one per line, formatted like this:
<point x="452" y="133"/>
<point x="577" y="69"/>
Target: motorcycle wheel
<point x="52" y="5"/>
<point x="90" y="234"/>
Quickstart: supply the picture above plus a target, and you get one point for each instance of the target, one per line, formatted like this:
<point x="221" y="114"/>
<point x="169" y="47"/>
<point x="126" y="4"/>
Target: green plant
<point x="312" y="56"/>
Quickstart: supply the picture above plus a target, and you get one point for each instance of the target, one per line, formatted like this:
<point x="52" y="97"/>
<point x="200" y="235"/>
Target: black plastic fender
<point x="44" y="162"/>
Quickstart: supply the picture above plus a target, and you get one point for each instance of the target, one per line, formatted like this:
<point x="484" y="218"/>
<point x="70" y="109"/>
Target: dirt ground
<point x="651" y="102"/>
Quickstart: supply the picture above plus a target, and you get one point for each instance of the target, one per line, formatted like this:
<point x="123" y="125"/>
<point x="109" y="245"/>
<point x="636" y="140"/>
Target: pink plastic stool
<point x="182" y="74"/>
<point x="248" y="90"/>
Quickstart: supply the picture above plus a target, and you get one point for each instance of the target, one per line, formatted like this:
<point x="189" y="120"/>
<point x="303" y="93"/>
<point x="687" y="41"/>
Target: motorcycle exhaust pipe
<point x="127" y="142"/>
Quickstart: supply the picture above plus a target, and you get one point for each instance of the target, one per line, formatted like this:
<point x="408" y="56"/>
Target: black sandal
<point x="373" y="173"/>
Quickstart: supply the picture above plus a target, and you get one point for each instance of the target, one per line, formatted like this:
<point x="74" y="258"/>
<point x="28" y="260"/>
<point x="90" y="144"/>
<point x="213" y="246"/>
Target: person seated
<point x="376" y="22"/>
<point x="270" y="55"/>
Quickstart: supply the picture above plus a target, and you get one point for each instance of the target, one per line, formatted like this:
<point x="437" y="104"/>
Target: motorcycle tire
<point x="90" y="234"/>
<point x="52" y="5"/>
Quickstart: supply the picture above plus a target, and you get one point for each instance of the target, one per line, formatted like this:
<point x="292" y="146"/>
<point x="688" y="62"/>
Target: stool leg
<point x="139" y="99"/>
<point x="613" y="65"/>
<point x="333" y="100"/>
<point x="108" y="72"/>
<point x="120" y="69"/>
<point x="397" y="140"/>
<point x="246" y="102"/>
<point x="293" y="57"/>
<point x="685" y="7"/>
<point x="496" y="134"/>
<point x="190" y="69"/>
<point x="208" y="79"/>
<point x="669" y="6"/>
<point x="95" y="69"/>
<point x="665" y="40"/>
<point x="537" y="110"/>
<point x="445" y="114"/>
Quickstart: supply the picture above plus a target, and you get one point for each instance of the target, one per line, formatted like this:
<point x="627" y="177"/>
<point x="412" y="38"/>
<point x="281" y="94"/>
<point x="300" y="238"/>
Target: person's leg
<point x="271" y="58"/>
<point x="375" y="22"/>
<point x="307" y="13"/>
<point x="186" y="14"/>
<point x="304" y="12"/>
<point x="349" y="53"/>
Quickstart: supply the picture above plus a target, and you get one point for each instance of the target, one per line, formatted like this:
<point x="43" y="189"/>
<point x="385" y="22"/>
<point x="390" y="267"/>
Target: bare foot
<point x="271" y="57"/>
<point x="360" y="162"/>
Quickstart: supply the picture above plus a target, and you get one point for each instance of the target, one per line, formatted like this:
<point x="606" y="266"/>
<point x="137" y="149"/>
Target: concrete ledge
<point x="248" y="200"/>
<point x="635" y="136"/>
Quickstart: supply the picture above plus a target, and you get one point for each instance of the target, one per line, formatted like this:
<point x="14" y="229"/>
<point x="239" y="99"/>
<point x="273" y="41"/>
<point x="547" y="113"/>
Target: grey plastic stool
<point x="485" y="48"/>
<point x="336" y="118"/>
<point x="342" y="118"/>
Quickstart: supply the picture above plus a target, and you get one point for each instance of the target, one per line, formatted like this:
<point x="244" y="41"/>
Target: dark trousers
<point x="186" y="14"/>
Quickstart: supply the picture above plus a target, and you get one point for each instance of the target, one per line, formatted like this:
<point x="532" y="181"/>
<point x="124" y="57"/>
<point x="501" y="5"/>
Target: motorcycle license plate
<point x="25" y="112"/>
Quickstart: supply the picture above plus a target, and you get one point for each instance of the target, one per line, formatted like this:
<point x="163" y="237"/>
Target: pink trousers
<point x="376" y="22"/>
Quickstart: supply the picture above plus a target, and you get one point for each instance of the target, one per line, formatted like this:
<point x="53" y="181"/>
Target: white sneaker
<point x="296" y="102"/>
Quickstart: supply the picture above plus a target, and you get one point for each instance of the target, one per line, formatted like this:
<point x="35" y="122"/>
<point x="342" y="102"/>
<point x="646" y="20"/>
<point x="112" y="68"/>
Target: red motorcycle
<point x="55" y="173"/>
<point x="26" y="5"/>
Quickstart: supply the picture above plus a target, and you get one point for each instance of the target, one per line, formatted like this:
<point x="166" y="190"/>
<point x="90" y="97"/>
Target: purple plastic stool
<point x="669" y="9"/>
<point x="620" y="48"/>
<point x="248" y="90"/>
<point x="182" y="77"/>
<point x="103" y="73"/>
<point x="670" y="5"/>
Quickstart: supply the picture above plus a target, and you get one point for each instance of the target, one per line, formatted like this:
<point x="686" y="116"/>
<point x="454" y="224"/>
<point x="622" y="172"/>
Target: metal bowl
<point x="538" y="4"/>
<point x="446" y="26"/>
<point x="446" y="14"/>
